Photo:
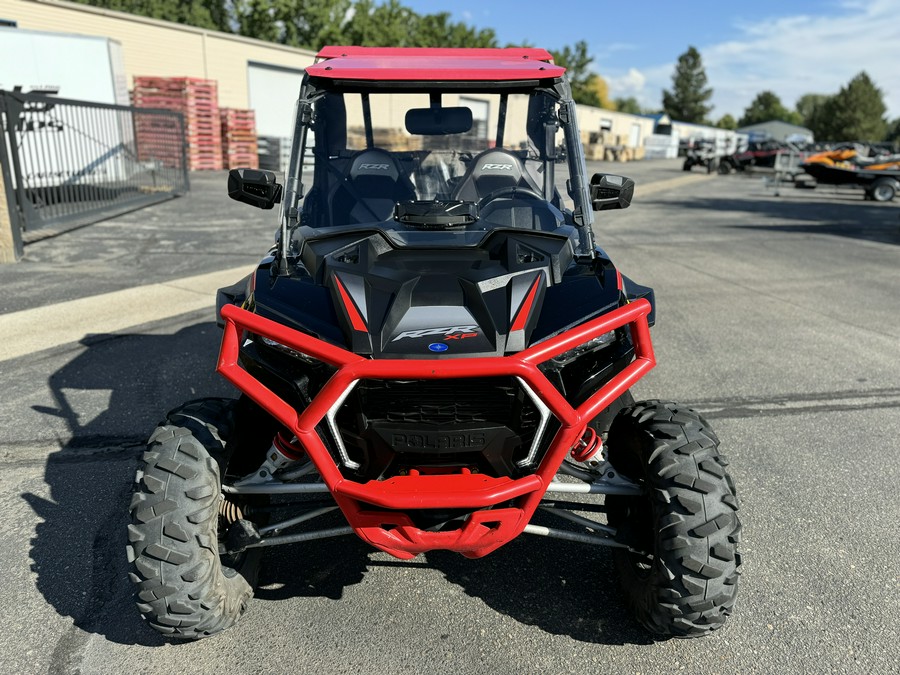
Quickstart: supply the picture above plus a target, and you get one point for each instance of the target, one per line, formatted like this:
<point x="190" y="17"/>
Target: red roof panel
<point x="430" y="64"/>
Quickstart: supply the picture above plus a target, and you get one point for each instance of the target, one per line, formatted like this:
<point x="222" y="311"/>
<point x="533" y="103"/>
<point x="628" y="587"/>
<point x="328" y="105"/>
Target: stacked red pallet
<point x="198" y="101"/>
<point x="239" y="146"/>
<point x="159" y="139"/>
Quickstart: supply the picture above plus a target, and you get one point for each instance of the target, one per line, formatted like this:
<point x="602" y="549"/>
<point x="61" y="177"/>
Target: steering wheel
<point x="512" y="189"/>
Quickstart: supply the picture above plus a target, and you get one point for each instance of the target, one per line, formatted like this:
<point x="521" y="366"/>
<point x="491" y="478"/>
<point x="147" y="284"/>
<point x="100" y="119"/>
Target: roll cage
<point x="320" y="139"/>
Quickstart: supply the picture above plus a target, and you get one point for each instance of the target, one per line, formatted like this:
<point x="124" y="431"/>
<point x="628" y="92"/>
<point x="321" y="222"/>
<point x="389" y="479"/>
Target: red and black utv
<point x="433" y="350"/>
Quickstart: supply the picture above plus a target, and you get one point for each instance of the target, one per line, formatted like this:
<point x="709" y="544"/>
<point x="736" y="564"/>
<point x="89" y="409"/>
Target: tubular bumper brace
<point x="375" y="509"/>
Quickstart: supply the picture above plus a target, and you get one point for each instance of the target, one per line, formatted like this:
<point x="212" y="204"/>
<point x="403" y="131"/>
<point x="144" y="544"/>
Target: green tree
<point x="893" y="134"/>
<point x="687" y="102"/>
<point x="813" y="110"/>
<point x="386" y="24"/>
<point x="203" y="14"/>
<point x="314" y="23"/>
<point x="808" y="105"/>
<point x="437" y="30"/>
<point x="256" y="19"/>
<point x="577" y="62"/>
<point x="628" y="105"/>
<point x="726" y="121"/>
<point x="765" y="108"/>
<point x="855" y="113"/>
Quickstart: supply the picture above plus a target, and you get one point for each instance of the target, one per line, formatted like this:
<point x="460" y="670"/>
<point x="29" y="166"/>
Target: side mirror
<point x="611" y="192"/>
<point x="254" y="187"/>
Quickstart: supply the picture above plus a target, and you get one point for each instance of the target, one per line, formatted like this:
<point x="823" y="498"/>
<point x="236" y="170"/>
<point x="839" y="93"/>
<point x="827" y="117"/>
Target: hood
<point x="374" y="298"/>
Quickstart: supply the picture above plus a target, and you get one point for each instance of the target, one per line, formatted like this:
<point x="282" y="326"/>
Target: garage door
<point x="273" y="94"/>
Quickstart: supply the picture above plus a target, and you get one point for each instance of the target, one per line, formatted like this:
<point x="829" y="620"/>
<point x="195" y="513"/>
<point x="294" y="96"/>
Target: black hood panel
<point x="359" y="291"/>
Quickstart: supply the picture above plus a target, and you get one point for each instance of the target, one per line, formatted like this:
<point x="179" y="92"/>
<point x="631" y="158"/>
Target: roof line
<point x="336" y="51"/>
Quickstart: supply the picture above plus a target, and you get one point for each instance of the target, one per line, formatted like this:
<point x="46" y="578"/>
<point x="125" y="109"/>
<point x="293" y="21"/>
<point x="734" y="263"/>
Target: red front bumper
<point x="372" y="508"/>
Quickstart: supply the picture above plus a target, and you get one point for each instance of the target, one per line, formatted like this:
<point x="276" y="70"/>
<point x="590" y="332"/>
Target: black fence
<point x="69" y="163"/>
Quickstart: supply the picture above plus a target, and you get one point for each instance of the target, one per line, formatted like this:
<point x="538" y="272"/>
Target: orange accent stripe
<point x="525" y="309"/>
<point x="356" y="319"/>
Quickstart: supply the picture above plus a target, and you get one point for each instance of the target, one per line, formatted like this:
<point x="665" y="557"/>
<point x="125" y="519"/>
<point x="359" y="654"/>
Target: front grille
<point x="443" y="402"/>
<point x="383" y="422"/>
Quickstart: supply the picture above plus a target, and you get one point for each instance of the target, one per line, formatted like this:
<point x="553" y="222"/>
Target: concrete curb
<point x="33" y="330"/>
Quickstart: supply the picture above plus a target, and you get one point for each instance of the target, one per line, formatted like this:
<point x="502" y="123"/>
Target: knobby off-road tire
<point x="686" y="523"/>
<point x="183" y="587"/>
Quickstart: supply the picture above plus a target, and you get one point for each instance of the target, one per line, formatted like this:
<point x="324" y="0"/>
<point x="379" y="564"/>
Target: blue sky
<point x="791" y="47"/>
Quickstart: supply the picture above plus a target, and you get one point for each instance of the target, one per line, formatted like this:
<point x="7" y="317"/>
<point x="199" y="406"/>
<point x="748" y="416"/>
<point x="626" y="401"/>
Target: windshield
<point x="431" y="169"/>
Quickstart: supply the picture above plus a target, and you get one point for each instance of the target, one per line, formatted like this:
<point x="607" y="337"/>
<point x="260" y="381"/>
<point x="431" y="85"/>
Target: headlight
<point x="269" y="342"/>
<point x="591" y="345"/>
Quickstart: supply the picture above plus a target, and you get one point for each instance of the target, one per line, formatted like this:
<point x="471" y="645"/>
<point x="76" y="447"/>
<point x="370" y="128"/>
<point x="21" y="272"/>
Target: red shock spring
<point x="588" y="445"/>
<point x="288" y="446"/>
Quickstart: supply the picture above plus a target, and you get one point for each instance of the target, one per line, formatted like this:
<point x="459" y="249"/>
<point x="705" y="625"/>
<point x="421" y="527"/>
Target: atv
<point x="434" y="350"/>
<point x="701" y="153"/>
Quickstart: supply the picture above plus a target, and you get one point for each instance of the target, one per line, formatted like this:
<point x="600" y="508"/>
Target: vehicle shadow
<point x="78" y="549"/>
<point x="531" y="580"/>
<point x="329" y="566"/>
<point x="561" y="587"/>
<point x="838" y="214"/>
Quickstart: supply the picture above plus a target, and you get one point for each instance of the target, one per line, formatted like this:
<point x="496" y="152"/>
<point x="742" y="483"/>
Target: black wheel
<point x="687" y="165"/>
<point x="883" y="190"/>
<point x="184" y="588"/>
<point x="681" y="569"/>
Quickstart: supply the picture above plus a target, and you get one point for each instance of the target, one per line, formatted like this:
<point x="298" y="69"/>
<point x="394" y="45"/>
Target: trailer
<point x="859" y="166"/>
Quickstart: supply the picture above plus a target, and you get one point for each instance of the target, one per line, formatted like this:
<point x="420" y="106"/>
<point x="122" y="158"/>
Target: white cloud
<point x="645" y="85"/>
<point x="630" y="84"/>
<point x="791" y="56"/>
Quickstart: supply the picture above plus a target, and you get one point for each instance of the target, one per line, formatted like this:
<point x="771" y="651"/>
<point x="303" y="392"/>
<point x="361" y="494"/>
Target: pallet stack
<point x="159" y="140"/>
<point x="239" y="145"/>
<point x="198" y="101"/>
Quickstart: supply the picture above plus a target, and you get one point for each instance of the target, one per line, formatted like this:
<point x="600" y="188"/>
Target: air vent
<point x="526" y="255"/>
<point x="348" y="256"/>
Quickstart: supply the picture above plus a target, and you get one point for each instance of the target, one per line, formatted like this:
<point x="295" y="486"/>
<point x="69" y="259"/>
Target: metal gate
<point x="69" y="163"/>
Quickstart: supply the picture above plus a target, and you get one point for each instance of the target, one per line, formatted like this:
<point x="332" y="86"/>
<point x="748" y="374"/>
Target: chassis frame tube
<point x="303" y="536"/>
<point x="594" y="489"/>
<point x="565" y="535"/>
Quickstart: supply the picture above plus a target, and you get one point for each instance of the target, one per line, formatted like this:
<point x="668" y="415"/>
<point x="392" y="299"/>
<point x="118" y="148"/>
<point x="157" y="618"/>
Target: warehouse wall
<point x="593" y="120"/>
<point x="161" y="48"/>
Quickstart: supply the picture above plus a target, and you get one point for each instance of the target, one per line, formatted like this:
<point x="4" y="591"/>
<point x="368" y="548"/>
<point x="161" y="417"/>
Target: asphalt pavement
<point x="778" y="318"/>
